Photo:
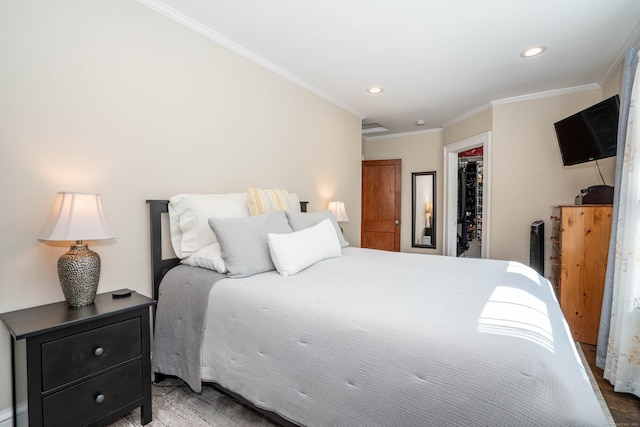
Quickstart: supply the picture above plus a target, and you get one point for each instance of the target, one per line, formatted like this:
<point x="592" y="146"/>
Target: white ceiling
<point x="436" y="60"/>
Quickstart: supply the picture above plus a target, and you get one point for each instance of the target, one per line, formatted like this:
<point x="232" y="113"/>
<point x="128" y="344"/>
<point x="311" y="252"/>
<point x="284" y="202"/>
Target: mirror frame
<point x="423" y="207"/>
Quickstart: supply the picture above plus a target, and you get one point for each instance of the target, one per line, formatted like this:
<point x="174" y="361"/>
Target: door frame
<point x="450" y="216"/>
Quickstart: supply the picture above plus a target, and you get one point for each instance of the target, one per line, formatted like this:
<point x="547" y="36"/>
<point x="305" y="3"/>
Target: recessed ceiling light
<point x="420" y="122"/>
<point x="375" y="90"/>
<point x="533" y="51"/>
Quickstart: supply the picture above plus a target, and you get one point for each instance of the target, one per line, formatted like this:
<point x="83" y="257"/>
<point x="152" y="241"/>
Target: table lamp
<point x="79" y="217"/>
<point x="338" y="210"/>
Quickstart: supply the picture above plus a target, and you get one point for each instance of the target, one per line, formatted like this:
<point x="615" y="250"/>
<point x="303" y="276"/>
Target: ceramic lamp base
<point x="79" y="273"/>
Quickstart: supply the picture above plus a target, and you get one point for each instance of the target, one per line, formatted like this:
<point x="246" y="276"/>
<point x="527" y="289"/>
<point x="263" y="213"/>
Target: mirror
<point x="423" y="223"/>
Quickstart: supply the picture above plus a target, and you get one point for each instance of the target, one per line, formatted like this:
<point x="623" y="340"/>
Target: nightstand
<point x="78" y="366"/>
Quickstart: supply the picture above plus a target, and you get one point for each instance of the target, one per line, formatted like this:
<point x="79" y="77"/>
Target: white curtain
<point x="622" y="366"/>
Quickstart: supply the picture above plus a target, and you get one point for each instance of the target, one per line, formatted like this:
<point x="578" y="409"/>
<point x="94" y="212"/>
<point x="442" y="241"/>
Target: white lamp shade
<point x="338" y="211"/>
<point x="77" y="216"/>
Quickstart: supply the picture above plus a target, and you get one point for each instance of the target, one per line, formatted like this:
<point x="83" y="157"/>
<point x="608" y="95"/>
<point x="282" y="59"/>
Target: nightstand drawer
<point x="91" y="400"/>
<point x="74" y="357"/>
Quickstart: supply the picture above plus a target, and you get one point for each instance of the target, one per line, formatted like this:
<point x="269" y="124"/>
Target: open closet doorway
<point x="466" y="209"/>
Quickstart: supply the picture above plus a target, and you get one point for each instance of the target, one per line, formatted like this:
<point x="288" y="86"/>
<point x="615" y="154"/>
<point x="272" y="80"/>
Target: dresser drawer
<point x="74" y="357"/>
<point x="91" y="400"/>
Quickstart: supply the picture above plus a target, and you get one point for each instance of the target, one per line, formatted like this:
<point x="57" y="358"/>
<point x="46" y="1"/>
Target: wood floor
<point x="624" y="407"/>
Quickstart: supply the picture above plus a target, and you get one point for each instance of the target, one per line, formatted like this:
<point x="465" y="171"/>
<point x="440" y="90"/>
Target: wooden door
<point x="381" y="204"/>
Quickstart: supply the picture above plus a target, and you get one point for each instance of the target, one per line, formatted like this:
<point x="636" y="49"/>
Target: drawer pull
<point x="99" y="351"/>
<point x="100" y="398"/>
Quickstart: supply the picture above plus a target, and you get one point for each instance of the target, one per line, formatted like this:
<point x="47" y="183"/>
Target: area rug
<point x="176" y="405"/>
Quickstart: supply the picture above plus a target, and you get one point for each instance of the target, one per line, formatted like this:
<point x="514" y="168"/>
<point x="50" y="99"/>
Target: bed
<point x="372" y="338"/>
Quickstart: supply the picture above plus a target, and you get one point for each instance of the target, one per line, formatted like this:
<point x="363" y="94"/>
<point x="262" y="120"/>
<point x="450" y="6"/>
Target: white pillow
<point x="208" y="257"/>
<point x="189" y="215"/>
<point x="293" y="252"/>
<point x="294" y="203"/>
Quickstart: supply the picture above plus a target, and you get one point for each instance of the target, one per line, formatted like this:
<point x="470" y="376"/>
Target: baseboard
<point x="6" y="418"/>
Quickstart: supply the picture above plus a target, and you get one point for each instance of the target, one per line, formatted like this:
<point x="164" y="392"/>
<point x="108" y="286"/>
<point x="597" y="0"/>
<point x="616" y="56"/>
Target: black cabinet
<point x="78" y="366"/>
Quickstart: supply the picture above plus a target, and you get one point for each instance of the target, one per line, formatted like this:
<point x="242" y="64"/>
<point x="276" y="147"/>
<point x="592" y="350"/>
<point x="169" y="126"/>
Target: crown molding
<point x="208" y="33"/>
<point x="547" y="94"/>
<point x="528" y="97"/>
<point x="632" y="40"/>
<point x="467" y="115"/>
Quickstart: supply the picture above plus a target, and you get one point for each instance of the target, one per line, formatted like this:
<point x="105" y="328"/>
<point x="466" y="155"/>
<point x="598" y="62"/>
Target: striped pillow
<point x="263" y="201"/>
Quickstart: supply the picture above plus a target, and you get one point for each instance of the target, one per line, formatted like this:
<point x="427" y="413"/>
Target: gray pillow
<point x="300" y="221"/>
<point x="243" y="241"/>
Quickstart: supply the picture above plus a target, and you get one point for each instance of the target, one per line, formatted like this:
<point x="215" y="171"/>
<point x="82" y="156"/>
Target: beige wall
<point x="419" y="153"/>
<point x="527" y="173"/>
<point x="474" y="125"/>
<point x="613" y="85"/>
<point x="111" y="97"/>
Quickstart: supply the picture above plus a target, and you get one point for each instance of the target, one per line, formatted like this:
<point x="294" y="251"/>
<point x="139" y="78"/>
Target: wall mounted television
<point x="590" y="134"/>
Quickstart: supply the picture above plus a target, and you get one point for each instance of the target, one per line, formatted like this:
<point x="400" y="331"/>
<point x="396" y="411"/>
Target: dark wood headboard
<point x="159" y="266"/>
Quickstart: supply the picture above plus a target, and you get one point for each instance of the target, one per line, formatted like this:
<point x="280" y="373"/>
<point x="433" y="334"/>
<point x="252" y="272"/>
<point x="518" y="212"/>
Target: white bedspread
<point x="376" y="338"/>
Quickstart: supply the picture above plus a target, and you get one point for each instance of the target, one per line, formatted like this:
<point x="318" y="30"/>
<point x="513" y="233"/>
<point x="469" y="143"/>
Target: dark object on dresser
<point x="81" y="365"/>
<point x="595" y="195"/>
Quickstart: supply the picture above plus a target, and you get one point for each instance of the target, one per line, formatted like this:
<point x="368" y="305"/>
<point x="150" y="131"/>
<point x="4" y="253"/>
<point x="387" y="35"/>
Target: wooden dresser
<point x="579" y="250"/>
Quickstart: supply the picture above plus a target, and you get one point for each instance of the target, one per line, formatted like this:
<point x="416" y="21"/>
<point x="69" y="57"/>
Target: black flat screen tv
<point x="590" y="134"/>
